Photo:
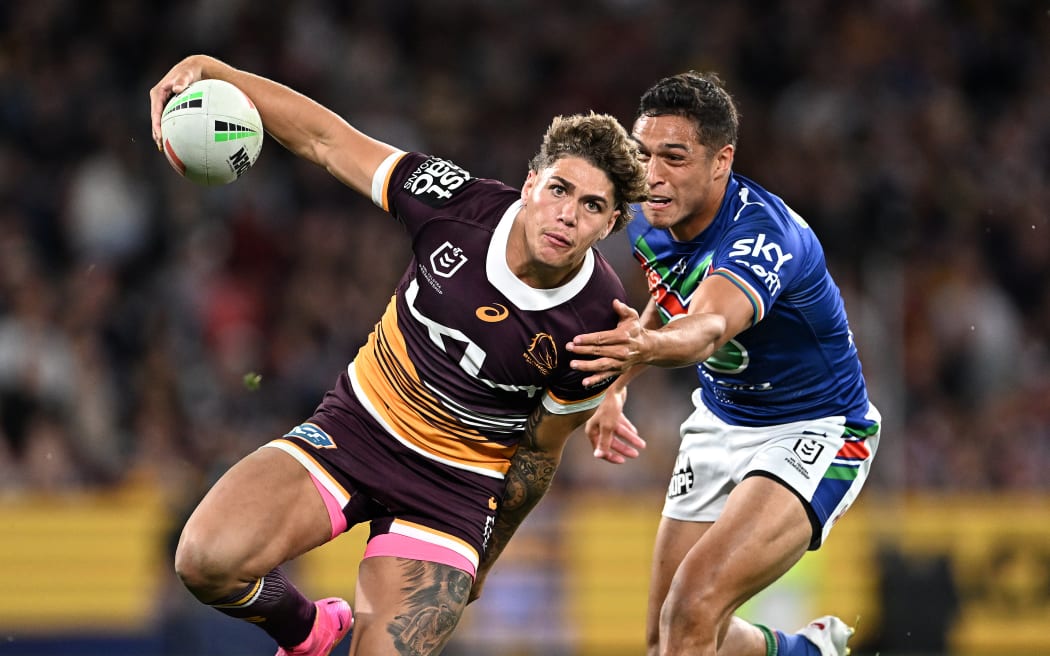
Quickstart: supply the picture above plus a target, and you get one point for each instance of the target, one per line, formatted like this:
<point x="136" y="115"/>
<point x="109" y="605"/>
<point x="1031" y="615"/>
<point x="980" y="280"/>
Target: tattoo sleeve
<point x="531" y="471"/>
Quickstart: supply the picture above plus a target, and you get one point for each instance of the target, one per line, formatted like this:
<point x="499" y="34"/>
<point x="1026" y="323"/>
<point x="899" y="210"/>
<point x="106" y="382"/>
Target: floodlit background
<point x="914" y="135"/>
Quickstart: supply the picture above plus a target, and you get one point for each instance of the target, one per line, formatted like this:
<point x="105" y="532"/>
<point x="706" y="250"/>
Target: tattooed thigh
<point x="432" y="600"/>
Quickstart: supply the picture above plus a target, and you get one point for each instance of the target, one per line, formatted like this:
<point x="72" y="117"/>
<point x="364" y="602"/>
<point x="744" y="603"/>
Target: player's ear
<point x="724" y="160"/>
<point x="612" y="223"/>
<point x="530" y="182"/>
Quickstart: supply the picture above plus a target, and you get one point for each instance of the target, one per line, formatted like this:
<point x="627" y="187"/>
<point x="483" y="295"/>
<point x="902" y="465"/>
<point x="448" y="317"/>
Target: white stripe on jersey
<point x="381" y="175"/>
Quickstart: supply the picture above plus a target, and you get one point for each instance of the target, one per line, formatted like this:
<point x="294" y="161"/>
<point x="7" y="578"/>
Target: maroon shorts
<point x="417" y="507"/>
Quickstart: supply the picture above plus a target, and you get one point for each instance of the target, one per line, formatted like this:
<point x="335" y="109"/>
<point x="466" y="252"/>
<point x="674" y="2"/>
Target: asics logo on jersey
<point x="492" y="313"/>
<point x="446" y="260"/>
<point x="542" y="353"/>
<point x="473" y="356"/>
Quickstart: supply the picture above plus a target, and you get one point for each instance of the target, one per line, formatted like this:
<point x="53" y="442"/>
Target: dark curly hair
<point x="601" y="140"/>
<point x="700" y="97"/>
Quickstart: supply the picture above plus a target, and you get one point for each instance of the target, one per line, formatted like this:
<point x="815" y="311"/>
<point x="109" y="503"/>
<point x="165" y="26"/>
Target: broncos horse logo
<point x="542" y="353"/>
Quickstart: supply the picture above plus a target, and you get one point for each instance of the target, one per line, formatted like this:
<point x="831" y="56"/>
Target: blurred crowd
<point x="913" y="135"/>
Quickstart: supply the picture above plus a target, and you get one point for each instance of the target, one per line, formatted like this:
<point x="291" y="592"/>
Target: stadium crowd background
<point x="913" y="135"/>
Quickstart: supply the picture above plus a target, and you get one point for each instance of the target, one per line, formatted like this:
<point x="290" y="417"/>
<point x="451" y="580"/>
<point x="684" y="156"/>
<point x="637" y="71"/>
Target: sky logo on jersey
<point x="436" y="181"/>
<point x="681" y="479"/>
<point x="446" y="260"/>
<point x="770" y="251"/>
<point x="312" y="434"/>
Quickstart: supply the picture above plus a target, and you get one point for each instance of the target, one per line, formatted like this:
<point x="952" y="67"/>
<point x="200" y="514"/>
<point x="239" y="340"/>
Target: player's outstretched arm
<point x="717" y="312"/>
<point x="299" y="123"/>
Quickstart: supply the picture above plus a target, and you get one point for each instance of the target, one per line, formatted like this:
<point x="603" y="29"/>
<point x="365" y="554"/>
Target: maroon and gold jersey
<point x="465" y="350"/>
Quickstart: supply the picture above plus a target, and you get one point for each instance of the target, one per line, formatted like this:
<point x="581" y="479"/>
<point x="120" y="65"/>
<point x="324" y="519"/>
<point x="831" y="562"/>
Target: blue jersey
<point x="797" y="360"/>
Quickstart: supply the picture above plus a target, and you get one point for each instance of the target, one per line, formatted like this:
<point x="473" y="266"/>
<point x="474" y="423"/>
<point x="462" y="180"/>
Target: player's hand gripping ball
<point x="211" y="132"/>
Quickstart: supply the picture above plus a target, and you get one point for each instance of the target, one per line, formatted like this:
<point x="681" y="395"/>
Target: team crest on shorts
<point x="808" y="450"/>
<point x="312" y="434"/>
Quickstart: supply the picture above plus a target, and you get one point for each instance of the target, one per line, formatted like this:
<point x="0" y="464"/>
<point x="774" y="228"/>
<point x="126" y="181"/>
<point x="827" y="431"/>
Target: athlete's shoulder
<point x="750" y="207"/>
<point x="767" y="243"/>
<point x="747" y="201"/>
<point x="423" y="183"/>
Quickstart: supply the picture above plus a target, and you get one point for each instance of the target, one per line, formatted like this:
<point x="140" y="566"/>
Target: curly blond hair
<point x="601" y="140"/>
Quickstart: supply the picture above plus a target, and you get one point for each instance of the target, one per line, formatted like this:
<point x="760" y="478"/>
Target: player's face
<point x="568" y="207"/>
<point x="686" y="180"/>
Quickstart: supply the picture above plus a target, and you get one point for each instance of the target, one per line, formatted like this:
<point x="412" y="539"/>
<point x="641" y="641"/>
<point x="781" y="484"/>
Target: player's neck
<point x="539" y="276"/>
<point x="689" y="228"/>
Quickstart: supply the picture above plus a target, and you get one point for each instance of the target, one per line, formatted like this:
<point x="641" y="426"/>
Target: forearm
<point x="528" y="478"/>
<point x="527" y="481"/>
<point x="299" y="123"/>
<point x="685" y="341"/>
<point x="619" y="386"/>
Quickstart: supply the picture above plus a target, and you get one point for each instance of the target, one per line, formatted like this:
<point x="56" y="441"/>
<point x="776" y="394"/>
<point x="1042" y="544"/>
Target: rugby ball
<point x="211" y="132"/>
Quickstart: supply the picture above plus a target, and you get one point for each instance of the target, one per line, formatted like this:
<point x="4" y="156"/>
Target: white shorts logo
<point x="681" y="479"/>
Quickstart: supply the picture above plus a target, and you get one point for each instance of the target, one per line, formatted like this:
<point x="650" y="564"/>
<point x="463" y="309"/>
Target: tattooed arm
<point x="528" y="479"/>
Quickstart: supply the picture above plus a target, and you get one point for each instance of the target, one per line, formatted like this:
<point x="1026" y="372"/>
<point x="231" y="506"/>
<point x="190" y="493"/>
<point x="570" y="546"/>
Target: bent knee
<point x="207" y="568"/>
<point x="694" y="611"/>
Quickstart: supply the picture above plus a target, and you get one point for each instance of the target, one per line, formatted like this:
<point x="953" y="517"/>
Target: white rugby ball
<point x="211" y="132"/>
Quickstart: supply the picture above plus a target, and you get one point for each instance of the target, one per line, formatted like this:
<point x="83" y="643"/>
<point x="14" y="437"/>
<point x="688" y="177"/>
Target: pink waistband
<point x="403" y="546"/>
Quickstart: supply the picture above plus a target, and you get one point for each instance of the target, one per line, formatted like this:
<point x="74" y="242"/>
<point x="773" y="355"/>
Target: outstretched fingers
<point x="609" y="352"/>
<point x="614" y="442"/>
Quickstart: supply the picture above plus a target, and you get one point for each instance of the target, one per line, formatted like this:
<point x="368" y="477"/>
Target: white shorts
<point x="824" y="461"/>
